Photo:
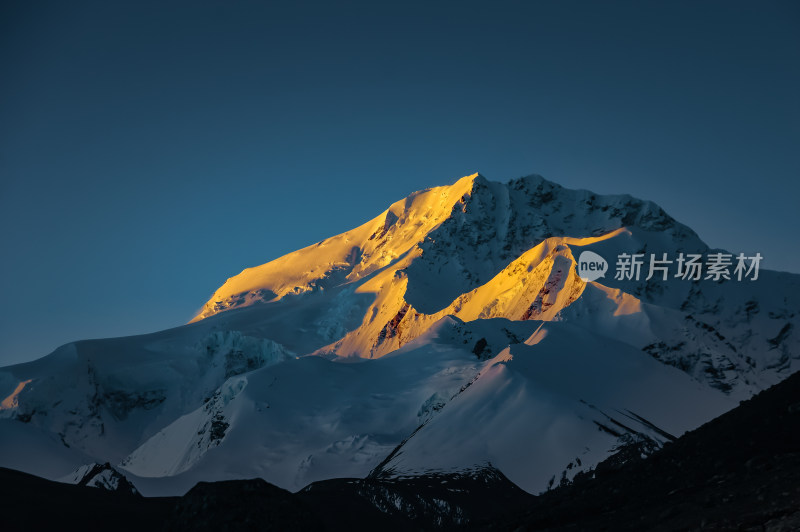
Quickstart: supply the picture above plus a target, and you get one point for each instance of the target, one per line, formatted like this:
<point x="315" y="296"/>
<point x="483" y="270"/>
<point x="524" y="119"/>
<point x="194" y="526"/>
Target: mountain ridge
<point x="391" y="337"/>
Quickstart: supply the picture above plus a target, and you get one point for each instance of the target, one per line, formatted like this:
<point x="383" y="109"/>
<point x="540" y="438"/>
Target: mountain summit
<point x="474" y="249"/>
<point x="451" y="333"/>
<point x="447" y="241"/>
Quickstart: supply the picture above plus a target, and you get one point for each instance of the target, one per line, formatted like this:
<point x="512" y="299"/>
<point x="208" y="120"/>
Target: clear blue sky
<point x="150" y="150"/>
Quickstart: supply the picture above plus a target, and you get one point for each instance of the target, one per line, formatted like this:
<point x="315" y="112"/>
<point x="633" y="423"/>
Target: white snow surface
<point x="449" y="332"/>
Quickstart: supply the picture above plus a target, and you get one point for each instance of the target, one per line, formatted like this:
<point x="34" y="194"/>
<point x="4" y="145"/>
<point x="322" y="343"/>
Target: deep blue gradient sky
<point x="150" y="150"/>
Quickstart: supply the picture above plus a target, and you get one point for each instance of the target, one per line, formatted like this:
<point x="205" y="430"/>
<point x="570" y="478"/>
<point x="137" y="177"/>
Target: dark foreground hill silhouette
<point x="740" y="471"/>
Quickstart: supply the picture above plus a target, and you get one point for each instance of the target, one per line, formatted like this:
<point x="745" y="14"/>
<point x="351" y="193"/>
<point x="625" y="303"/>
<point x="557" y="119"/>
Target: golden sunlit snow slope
<point x="538" y="285"/>
<point x="345" y="258"/>
<point x="375" y="256"/>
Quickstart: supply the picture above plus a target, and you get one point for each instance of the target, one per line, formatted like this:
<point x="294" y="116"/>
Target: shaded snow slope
<point x="548" y="408"/>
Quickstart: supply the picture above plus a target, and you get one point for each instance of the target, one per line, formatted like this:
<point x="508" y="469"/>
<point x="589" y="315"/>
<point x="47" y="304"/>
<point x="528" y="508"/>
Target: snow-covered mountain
<point x="102" y="476"/>
<point x="449" y="333"/>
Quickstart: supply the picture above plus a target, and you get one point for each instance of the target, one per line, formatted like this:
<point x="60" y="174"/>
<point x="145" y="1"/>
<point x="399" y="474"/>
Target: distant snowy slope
<point x="544" y="409"/>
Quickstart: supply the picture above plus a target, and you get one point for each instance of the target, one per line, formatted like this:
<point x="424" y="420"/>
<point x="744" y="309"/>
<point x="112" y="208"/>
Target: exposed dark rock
<point x="121" y="403"/>
<point x="480" y="350"/>
<point x="391" y="329"/>
<point x="104" y="476"/>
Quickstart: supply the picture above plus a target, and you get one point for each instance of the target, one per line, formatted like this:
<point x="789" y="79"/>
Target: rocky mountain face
<point x="102" y="476"/>
<point x="451" y="333"/>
